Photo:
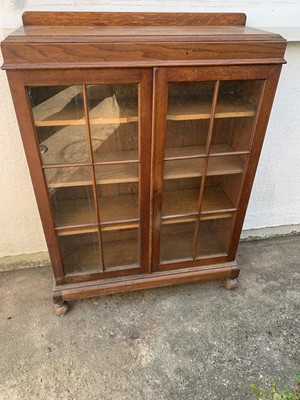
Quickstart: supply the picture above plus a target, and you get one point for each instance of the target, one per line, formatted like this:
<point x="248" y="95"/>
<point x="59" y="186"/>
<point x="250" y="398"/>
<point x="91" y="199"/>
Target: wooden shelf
<point x="193" y="218"/>
<point x="124" y="173"/>
<point x="126" y="207"/>
<point x="180" y="247"/>
<point x="196" y="109"/>
<point x="62" y="110"/>
<point x="128" y="155"/>
<point x="177" y="202"/>
<point x="192" y="151"/>
<point x="117" y="208"/>
<point x="66" y="108"/>
<point x="116" y="173"/>
<point x="93" y="229"/>
<point x="191" y="168"/>
<point x="177" y="241"/>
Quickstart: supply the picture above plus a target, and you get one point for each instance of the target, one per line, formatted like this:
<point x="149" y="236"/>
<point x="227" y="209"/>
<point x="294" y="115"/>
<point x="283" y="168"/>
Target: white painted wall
<point x="275" y="199"/>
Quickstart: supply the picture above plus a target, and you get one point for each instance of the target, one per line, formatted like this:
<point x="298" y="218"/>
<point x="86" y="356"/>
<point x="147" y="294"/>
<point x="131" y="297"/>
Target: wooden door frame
<point x="19" y="81"/>
<point x="165" y="75"/>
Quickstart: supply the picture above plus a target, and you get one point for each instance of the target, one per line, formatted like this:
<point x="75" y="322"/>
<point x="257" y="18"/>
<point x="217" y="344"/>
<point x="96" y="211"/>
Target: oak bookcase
<point x="142" y="133"/>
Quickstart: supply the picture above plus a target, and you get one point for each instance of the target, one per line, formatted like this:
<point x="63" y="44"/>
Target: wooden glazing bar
<point x="88" y="164"/>
<point x="77" y="226"/>
<point x="189" y="152"/>
<point x="208" y="144"/>
<point x="116" y="162"/>
<point x="83" y="164"/>
<point x="127" y="226"/>
<point x="77" y="231"/>
<point x="121" y="221"/>
<point x="106" y="226"/>
<point x="88" y="131"/>
<point x="167" y="217"/>
<point x="203" y="213"/>
<point x="230" y="153"/>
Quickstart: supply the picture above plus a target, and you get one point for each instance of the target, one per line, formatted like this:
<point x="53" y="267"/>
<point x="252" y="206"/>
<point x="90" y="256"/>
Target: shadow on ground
<point x="190" y="342"/>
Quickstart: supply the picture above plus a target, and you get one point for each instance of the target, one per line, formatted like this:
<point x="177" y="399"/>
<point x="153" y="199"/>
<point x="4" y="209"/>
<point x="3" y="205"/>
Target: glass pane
<point x="235" y="115"/>
<point x="68" y="177"/>
<point x="213" y="235"/>
<point x="225" y="165"/>
<point x="120" y="248"/>
<point x="58" y="113"/>
<point x="189" y="111"/>
<point x="221" y="192"/>
<point x="80" y="253"/>
<point x="119" y="201"/>
<point x="186" y="168"/>
<point x="113" y="113"/>
<point x="117" y="173"/>
<point x="176" y="241"/>
<point x="180" y="196"/>
<point x="73" y="206"/>
<point x="71" y="195"/>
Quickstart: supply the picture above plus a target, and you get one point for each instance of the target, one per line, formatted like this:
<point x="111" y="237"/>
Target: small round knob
<point x="43" y="148"/>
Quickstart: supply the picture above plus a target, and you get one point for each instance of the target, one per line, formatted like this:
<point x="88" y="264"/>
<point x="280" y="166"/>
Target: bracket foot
<point x="61" y="308"/>
<point x="230" y="284"/>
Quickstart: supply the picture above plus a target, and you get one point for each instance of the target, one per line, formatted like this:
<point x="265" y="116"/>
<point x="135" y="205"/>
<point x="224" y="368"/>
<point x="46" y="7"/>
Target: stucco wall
<point x="275" y="198"/>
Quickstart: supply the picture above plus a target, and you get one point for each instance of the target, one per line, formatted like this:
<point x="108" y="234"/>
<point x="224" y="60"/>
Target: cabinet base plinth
<point x="80" y="290"/>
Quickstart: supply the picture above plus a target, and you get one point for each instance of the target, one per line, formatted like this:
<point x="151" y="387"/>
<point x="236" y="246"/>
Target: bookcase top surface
<point x="69" y="39"/>
<point x="139" y="33"/>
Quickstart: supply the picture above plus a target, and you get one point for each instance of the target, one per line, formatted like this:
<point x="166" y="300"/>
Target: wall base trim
<point x="269" y="232"/>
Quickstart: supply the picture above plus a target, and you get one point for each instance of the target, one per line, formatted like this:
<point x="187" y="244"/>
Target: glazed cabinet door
<point x="205" y="124"/>
<point x="92" y="131"/>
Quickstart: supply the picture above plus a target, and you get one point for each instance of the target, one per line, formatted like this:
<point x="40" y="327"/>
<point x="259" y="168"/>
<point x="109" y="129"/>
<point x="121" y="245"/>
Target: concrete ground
<point x="190" y="342"/>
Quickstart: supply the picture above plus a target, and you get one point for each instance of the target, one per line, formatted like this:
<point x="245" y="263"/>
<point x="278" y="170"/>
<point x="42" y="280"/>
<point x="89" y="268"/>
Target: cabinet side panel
<point x="24" y="117"/>
<point x="262" y="122"/>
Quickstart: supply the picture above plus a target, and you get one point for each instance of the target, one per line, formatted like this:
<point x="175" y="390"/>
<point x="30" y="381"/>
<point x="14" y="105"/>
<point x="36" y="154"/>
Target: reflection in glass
<point x="188" y="114"/>
<point x="225" y="165"/>
<point x="118" y="202"/>
<point x="80" y="253"/>
<point x="235" y="115"/>
<point x="117" y="173"/>
<point x="176" y="241"/>
<point x="71" y="195"/>
<point x="73" y="206"/>
<point x="113" y="114"/>
<point x="180" y="196"/>
<point x="221" y="192"/>
<point x="186" y="168"/>
<point x="120" y="248"/>
<point x="68" y="177"/>
<point x="58" y="113"/>
<point x="213" y="236"/>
